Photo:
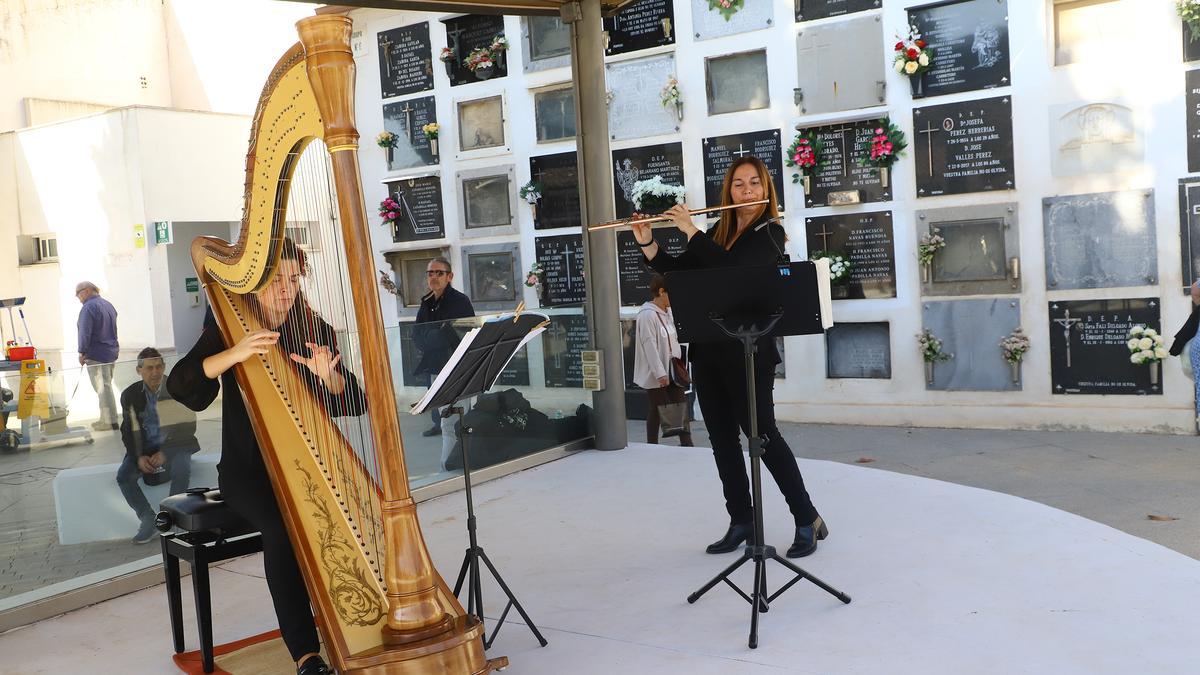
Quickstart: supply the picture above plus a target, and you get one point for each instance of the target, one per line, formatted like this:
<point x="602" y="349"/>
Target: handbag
<point x="1185" y="359"/>
<point x="673" y="419"/>
<point x="679" y="371"/>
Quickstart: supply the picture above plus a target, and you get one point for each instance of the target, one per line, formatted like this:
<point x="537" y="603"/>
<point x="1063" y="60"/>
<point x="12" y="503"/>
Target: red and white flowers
<point x="446" y="55"/>
<point x="912" y="55"/>
<point x="805" y="154"/>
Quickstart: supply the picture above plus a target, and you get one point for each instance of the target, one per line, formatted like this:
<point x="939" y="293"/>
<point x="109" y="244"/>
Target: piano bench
<point x="212" y="532"/>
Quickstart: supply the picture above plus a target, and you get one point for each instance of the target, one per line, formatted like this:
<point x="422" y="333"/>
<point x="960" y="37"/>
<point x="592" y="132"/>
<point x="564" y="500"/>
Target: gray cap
<point x="85" y="285"/>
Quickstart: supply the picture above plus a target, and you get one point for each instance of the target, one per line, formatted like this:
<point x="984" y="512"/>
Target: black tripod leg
<point x="757" y="604"/>
<point x="462" y="573"/>
<point x="719" y="578"/>
<point x="512" y="600"/>
<point x="803" y="574"/>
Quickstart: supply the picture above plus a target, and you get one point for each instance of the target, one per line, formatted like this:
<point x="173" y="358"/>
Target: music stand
<point x="473" y="368"/>
<point x="745" y="304"/>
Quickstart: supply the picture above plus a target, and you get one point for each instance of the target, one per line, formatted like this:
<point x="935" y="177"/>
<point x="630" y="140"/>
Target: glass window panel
<point x="974" y="251"/>
<point x="481" y="123"/>
<point x="555" y="114"/>
<point x="1086" y="30"/>
<point x="737" y="82"/>
<point x="548" y="37"/>
<point x="492" y="277"/>
<point x="487" y="202"/>
<point x="414" y="280"/>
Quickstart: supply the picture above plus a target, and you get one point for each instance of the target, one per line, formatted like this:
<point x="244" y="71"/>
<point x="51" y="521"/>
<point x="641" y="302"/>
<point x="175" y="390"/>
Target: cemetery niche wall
<point x="969" y="39"/>
<point x="406" y="119"/>
<point x="721" y="151"/>
<point x="1189" y="230"/>
<point x="964" y="147"/>
<point x="1088" y="351"/>
<point x="981" y="254"/>
<point x="868" y="241"/>
<point x="421" y="215"/>
<point x="841" y="66"/>
<point x="641" y="25"/>
<point x="1102" y="240"/>
<point x="859" y="350"/>
<point x="405" y="60"/>
<point x="841" y="178"/>
<point x="970" y="331"/>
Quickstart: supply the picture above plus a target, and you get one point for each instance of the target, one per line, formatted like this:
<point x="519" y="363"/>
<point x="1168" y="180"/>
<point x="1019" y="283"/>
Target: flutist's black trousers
<point x="720" y="385"/>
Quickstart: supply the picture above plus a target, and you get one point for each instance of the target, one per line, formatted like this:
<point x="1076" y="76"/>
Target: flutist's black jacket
<point x="759" y="245"/>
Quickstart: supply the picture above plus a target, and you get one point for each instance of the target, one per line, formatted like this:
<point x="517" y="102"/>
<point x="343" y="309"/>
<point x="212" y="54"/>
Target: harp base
<point x="396" y="638"/>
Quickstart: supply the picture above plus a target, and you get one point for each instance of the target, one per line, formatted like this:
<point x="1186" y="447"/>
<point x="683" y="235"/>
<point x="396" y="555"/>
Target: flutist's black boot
<point x="738" y="533"/>
<point x="806" y="539"/>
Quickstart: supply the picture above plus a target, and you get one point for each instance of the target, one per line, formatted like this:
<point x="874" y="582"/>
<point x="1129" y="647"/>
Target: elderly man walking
<point x="98" y="348"/>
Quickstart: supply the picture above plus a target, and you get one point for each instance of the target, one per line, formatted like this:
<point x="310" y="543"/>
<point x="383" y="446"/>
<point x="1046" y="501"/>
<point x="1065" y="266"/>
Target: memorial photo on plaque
<point x="721" y="151"/>
<point x="561" y="258"/>
<point x="464" y="34"/>
<point x="559" y="178"/>
<point x="405" y="60"/>
<point x="547" y="42"/>
<point x="1092" y="138"/>
<point x="641" y="25"/>
<point x="1189" y="230"/>
<point x="633" y="274"/>
<point x="841" y="66"/>
<point x="554" y="114"/>
<point x="481" y="123"/>
<point x="486" y="201"/>
<point x="840" y="178"/>
<point x="1088" y="350"/>
<point x="421" y="215"/>
<point x="809" y="10"/>
<point x="1102" y="240"/>
<point x="635" y="108"/>
<point x="491" y="275"/>
<point x="971" y="331"/>
<point x="867" y="240"/>
<point x="631" y="165"/>
<point x="406" y="119"/>
<point x="858" y="350"/>
<point x="964" y="147"/>
<point x="969" y="39"/>
<point x="736" y="82"/>
<point x="1192" y="99"/>
<point x="562" y="342"/>
<point x="710" y="22"/>
<point x="982" y="250"/>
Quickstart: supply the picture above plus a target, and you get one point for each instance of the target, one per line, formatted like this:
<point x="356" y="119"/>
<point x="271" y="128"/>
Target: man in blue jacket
<point x="433" y="334"/>
<point x="98" y="348"/>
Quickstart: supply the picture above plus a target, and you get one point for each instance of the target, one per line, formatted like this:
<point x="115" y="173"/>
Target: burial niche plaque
<point x="554" y="114"/>
<point x="559" y="178"/>
<point x="1095" y="138"/>
<point x="481" y="123"/>
<point x="1193" y="120"/>
<point x="405" y="119"/>
<point x="867" y="240"/>
<point x="405" y="60"/>
<point x="633" y="274"/>
<point x="1189" y="230"/>
<point x="809" y="10"/>
<point x="981" y="251"/>
<point x="491" y="275"/>
<point x="421" y="214"/>
<point x="466" y="33"/>
<point x="858" y="350"/>
<point x="964" y="147"/>
<point x="1102" y="240"/>
<point x="641" y="25"/>
<point x="634" y="164"/>
<point x="708" y="23"/>
<point x="737" y="82"/>
<point x="971" y="330"/>
<point x="635" y="109"/>
<point x="562" y="342"/>
<point x="841" y="179"/>
<point x="487" y="202"/>
<point x="721" y="151"/>
<point x="561" y="258"/>
<point x="969" y="39"/>
<point x="1088" y="351"/>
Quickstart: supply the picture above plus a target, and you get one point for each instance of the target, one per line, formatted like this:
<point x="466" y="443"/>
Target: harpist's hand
<point x="322" y="363"/>
<point x="257" y="342"/>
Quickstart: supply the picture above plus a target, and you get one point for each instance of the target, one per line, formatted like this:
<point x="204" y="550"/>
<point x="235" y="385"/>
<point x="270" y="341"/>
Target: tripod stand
<point x="745" y="304"/>
<point x="469" y="571"/>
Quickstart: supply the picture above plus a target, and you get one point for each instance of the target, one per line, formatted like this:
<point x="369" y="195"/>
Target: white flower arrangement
<point x="531" y="192"/>
<point x="930" y="347"/>
<point x="839" y="265"/>
<point x="1014" y="346"/>
<point x="670" y="92"/>
<point x="653" y="195"/>
<point x="1146" y="346"/>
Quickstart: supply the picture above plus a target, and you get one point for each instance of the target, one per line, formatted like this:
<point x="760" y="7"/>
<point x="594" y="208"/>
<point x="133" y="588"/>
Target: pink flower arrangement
<point x="389" y="210"/>
<point x="805" y="154"/>
<point x="727" y="8"/>
<point x="886" y="144"/>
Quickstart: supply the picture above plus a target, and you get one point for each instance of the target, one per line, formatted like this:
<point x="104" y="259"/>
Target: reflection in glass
<point x="548" y="37"/>
<point x="974" y="251"/>
<point x="486" y="201"/>
<point x="555" y="114"/>
<point x="413" y="284"/>
<point x="737" y="82"/>
<point x="492" y="276"/>
<point x="481" y="123"/>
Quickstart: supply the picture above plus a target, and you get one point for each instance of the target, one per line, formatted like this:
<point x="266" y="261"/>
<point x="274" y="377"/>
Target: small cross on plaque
<point x="929" y="131"/>
<point x="408" y="111"/>
<point x="1066" y="322"/>
<point x="453" y="36"/>
<point x="824" y="234"/>
<point x="741" y="151"/>
<point x="385" y="44"/>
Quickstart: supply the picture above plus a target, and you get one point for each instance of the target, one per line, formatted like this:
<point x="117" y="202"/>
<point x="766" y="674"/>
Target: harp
<point x="342" y="485"/>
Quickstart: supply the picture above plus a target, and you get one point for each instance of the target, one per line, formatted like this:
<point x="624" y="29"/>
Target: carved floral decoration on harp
<point x="351" y="592"/>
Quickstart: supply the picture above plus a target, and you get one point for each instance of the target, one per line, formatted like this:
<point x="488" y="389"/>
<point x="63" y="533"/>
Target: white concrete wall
<point x="1153" y="83"/>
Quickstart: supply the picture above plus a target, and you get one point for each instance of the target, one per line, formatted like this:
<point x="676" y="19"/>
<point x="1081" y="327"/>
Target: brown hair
<point x="726" y="229"/>
<point x="657" y="283"/>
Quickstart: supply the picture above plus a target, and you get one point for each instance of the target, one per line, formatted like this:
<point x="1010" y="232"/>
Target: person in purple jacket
<point x="98" y="348"/>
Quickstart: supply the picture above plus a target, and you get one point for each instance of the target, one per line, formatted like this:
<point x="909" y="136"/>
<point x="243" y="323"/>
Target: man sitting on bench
<point x="159" y="436"/>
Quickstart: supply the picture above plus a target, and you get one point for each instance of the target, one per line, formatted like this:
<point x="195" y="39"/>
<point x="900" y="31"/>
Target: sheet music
<point x="826" y="296"/>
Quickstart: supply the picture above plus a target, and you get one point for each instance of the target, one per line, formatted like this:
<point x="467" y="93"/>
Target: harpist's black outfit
<point x="719" y="375"/>
<point x="241" y="471"/>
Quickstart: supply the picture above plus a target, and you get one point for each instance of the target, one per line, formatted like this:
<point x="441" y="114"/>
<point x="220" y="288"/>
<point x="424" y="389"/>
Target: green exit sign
<point x="162" y="232"/>
<point x="192" y="284"/>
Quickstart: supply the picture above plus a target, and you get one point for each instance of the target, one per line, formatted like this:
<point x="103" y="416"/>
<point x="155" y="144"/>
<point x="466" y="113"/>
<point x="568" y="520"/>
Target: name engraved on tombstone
<point x="635" y="109"/>
<point x="1189" y="230"/>
<point x="641" y="25"/>
<point x="559" y="178"/>
<point x="964" y="147"/>
<point x="1193" y="120"/>
<point x="406" y="119"/>
<point x="868" y="241"/>
<point x="1101" y="240"/>
<point x="405" y="60"/>
<point x="561" y="258"/>
<point x="631" y="165"/>
<point x="969" y="39"/>
<point x="633" y="275"/>
<point x="858" y="350"/>
<point x="421" y="215"/>
<point x="1088" y="351"/>
<point x="841" y="179"/>
<point x="466" y="33"/>
<point x="809" y="10"/>
<point x="562" y="342"/>
<point x="721" y="151"/>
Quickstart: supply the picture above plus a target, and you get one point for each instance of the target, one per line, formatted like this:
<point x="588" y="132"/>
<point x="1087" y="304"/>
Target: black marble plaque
<point x="969" y="39"/>
<point x="808" y="10"/>
<point x="405" y="60"/>
<point x="868" y="241"/>
<point x="1192" y="99"/>
<point x="721" y="151"/>
<point x="1100" y="240"/>
<point x="642" y="25"/>
<point x="1191" y="44"/>
<point x="633" y="274"/>
<point x="405" y="119"/>
<point x="1088" y="354"/>
<point x="559" y="178"/>
<point x="516" y="373"/>
<point x="1189" y="230"/>
<point x="562" y="341"/>
<point x="421" y="214"/>
<point x="858" y="350"/>
<point x="964" y="147"/>
<point x="409" y="356"/>
<point x="633" y="164"/>
<point x="464" y="34"/>
<point x="841" y="179"/>
<point x="561" y="258"/>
